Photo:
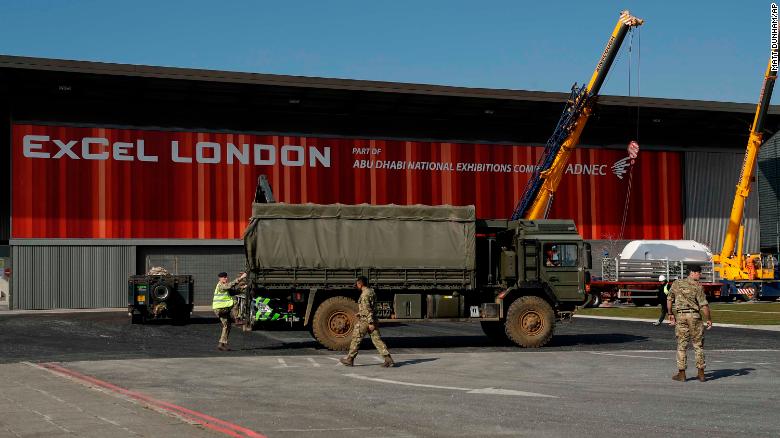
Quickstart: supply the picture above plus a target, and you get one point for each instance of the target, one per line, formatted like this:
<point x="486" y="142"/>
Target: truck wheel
<point x="530" y="322"/>
<point x="137" y="318"/>
<point x="495" y="331"/>
<point x="334" y="321"/>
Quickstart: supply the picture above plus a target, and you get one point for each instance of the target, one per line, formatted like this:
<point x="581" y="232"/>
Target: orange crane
<point x="540" y="190"/>
<point x="731" y="263"/>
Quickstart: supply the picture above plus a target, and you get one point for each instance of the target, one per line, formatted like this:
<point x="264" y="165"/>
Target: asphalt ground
<point x="596" y="378"/>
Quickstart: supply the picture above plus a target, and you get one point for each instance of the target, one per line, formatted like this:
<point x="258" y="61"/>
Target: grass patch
<point x="747" y="313"/>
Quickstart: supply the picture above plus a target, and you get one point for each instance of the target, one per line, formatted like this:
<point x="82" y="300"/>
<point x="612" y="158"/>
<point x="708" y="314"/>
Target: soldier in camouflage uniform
<point x="366" y="324"/>
<point x="223" y="303"/>
<point x="686" y="305"/>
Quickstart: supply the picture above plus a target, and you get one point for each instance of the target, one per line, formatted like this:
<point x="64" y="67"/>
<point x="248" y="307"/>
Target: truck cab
<point x="544" y="254"/>
<point x="552" y="251"/>
<point x="541" y="276"/>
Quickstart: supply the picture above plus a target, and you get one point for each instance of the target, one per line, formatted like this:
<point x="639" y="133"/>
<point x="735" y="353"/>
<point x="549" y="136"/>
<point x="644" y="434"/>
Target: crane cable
<point x="631" y="168"/>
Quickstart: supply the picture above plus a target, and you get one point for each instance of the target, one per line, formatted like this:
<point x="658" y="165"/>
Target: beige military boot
<point x="388" y="362"/>
<point x="680" y="376"/>
<point x="700" y="376"/>
<point x="347" y="361"/>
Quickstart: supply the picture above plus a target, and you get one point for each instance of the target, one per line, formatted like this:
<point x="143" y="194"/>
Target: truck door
<point x="562" y="269"/>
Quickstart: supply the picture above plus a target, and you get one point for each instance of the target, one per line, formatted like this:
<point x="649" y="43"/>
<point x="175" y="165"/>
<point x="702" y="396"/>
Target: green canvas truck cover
<point x="339" y="236"/>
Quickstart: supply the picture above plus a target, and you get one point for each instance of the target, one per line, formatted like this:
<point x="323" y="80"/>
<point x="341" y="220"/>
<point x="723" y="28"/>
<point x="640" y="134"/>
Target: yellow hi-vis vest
<point x="222" y="299"/>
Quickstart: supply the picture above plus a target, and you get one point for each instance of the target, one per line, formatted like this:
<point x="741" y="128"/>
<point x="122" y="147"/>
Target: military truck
<point x="426" y="263"/>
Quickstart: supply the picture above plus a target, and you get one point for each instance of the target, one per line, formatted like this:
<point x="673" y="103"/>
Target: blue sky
<point x="715" y="50"/>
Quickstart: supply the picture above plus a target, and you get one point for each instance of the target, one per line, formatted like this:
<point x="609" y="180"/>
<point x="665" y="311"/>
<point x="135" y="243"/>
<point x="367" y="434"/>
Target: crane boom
<point x="540" y="189"/>
<point x="730" y="265"/>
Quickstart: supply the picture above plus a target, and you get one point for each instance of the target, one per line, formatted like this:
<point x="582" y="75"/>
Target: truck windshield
<point x="560" y="255"/>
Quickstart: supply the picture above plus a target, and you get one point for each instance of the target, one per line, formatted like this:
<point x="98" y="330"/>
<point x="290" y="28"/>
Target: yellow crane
<point x="540" y="190"/>
<point x="731" y="263"/>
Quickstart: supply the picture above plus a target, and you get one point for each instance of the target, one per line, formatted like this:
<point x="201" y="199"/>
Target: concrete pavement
<point x="520" y="393"/>
<point x="36" y="403"/>
<point x="597" y="377"/>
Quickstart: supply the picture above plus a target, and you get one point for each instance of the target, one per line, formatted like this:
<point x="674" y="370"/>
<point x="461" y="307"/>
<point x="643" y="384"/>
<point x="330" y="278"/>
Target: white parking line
<point x="490" y="391"/>
<point x="283" y="364"/>
<point x="312" y="361"/>
<point x="629" y="355"/>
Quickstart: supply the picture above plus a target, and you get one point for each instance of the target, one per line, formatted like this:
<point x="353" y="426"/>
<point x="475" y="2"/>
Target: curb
<point x="4" y="310"/>
<point x="771" y="328"/>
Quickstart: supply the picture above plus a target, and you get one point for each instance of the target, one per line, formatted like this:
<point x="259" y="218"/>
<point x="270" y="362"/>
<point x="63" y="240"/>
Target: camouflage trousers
<point x="689" y="327"/>
<point x="360" y="331"/>
<point x="226" y="318"/>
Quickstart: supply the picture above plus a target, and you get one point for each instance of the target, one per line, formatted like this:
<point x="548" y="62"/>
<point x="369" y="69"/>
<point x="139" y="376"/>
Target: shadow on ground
<point x="724" y="373"/>
<point x="109" y="335"/>
<point x="595" y="339"/>
<point x="403" y="363"/>
<point x="469" y="341"/>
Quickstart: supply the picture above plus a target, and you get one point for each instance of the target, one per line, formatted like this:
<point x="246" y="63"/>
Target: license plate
<point x="141" y="298"/>
<point x="383" y="309"/>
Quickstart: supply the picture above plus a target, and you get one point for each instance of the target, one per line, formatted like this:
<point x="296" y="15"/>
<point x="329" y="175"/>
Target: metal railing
<point x="617" y="269"/>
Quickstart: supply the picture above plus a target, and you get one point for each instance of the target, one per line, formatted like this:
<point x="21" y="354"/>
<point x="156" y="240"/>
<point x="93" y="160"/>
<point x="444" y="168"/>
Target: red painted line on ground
<point x="208" y="421"/>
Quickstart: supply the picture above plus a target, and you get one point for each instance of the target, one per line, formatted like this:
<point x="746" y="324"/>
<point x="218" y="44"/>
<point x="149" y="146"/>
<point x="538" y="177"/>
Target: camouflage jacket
<point x="687" y="294"/>
<point x="366" y="304"/>
<point x="230" y="287"/>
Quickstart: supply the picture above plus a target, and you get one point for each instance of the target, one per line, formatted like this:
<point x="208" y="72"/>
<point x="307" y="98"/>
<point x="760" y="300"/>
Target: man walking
<point x="223" y="305"/>
<point x="366" y="324"/>
<point x="687" y="304"/>
<point x="663" y="293"/>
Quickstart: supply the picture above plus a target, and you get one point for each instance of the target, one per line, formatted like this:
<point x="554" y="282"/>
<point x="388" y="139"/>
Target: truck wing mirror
<point x="588" y="256"/>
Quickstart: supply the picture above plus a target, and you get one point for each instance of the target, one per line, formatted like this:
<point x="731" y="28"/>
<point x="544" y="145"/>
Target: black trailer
<point x="152" y="297"/>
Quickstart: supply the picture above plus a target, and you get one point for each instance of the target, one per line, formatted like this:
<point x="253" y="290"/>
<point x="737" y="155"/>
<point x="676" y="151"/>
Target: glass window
<point x="560" y="255"/>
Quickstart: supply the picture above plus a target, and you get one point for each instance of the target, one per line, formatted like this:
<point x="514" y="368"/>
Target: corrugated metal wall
<point x="202" y="262"/>
<point x="769" y="194"/>
<point x="710" y="184"/>
<point x="62" y="277"/>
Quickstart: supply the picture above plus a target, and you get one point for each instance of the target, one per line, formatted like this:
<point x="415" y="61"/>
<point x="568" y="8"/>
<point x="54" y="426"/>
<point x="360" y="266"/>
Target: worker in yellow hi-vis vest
<point x="223" y="305"/>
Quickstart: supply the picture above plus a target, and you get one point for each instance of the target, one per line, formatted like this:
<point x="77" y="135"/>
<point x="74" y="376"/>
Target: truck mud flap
<point x="567" y="317"/>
